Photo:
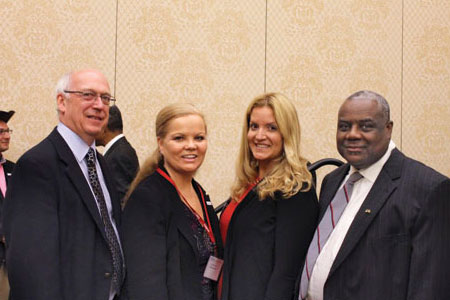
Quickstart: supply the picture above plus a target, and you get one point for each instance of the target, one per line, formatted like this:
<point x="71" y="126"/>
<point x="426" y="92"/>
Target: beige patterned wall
<point x="220" y="54"/>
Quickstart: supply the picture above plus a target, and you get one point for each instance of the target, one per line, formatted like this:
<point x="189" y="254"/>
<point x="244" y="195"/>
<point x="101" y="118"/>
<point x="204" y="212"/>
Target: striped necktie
<point x="326" y="226"/>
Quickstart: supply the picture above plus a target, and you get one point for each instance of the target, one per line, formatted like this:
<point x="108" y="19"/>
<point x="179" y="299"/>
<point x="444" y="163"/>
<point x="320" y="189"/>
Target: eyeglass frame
<point x="83" y="94"/>
<point x="3" y="131"/>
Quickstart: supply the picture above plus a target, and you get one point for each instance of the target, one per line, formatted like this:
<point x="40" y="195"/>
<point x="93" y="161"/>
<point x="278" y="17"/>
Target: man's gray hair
<point x="63" y="84"/>
<point x="369" y="95"/>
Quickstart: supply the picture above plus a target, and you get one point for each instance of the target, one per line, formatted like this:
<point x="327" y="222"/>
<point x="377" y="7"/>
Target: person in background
<point x="61" y="211"/>
<point x="271" y="216"/>
<point x="170" y="231"/>
<point x="120" y="156"/>
<point x="6" y="169"/>
<point x="392" y="240"/>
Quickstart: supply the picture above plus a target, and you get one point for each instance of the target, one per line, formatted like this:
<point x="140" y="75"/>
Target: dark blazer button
<point x="107" y="275"/>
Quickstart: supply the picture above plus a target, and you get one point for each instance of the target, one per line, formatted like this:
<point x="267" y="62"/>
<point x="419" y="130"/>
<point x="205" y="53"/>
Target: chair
<point x="311" y="167"/>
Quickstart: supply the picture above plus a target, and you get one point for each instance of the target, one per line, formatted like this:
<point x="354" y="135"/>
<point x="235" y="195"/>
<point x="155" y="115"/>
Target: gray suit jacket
<point x="55" y="238"/>
<point x="398" y="246"/>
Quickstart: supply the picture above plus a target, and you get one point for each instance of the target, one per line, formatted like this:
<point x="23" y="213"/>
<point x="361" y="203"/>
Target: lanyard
<point x="207" y="227"/>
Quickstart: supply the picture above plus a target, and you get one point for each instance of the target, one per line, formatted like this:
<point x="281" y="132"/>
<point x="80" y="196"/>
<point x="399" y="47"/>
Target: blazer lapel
<point x="115" y="202"/>
<point x="182" y="223"/>
<point x="332" y="186"/>
<point x="114" y="146"/>
<point x="77" y="178"/>
<point x="179" y="214"/>
<point x="383" y="187"/>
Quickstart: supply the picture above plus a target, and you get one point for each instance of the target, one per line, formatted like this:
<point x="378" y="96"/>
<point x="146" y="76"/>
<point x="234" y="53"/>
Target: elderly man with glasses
<point x="61" y="210"/>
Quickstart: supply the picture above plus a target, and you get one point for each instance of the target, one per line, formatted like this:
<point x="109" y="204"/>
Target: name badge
<point x="213" y="268"/>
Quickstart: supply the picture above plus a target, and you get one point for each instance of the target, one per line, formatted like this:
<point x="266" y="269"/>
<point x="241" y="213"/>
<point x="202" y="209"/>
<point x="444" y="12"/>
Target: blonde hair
<point x="290" y="173"/>
<point x="163" y="119"/>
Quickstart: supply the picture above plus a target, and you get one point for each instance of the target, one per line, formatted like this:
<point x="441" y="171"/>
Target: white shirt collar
<point x="371" y="173"/>
<point x="76" y="144"/>
<point x="111" y="142"/>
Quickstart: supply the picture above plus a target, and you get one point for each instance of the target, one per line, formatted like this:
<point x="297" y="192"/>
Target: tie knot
<point x="354" y="178"/>
<point x="90" y="156"/>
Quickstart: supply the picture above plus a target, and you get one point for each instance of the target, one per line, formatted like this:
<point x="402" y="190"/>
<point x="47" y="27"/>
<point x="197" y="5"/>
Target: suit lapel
<point x="77" y="178"/>
<point x="383" y="187"/>
<point x="115" y="202"/>
<point x="332" y="185"/>
<point x="114" y="146"/>
<point x="179" y="214"/>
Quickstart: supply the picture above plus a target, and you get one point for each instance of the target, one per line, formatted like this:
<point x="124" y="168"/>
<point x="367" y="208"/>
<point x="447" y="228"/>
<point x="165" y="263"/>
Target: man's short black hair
<point x="115" y="119"/>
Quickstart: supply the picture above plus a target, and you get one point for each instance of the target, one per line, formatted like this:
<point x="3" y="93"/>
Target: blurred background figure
<point x="120" y="156"/>
<point x="6" y="169"/>
<point x="170" y="231"/>
<point x="271" y="216"/>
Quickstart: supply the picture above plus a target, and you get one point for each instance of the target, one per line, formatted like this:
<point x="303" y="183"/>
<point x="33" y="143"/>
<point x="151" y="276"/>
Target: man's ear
<point x="389" y="127"/>
<point x="61" y="103"/>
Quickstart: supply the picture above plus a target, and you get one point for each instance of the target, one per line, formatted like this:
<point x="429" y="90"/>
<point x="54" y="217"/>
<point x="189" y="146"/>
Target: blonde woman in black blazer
<point x="170" y="230"/>
<point x="269" y="223"/>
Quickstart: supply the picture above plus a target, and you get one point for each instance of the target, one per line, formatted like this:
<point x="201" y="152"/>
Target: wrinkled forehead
<point x="89" y="80"/>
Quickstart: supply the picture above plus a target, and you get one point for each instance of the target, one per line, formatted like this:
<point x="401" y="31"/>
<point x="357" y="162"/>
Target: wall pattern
<point x="220" y="54"/>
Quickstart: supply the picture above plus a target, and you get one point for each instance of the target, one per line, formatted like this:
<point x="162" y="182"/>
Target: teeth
<point x="261" y="146"/>
<point x="190" y="156"/>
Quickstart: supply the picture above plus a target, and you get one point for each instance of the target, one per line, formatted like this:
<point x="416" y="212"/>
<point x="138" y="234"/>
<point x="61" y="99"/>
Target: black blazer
<point x="399" y="242"/>
<point x="266" y="245"/>
<point x="160" y="251"/>
<point x="56" y="243"/>
<point x="123" y="163"/>
<point x="8" y="168"/>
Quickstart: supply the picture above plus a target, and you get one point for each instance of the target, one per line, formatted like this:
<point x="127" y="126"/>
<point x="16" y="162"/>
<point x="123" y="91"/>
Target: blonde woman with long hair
<point x="272" y="212"/>
<point x="169" y="228"/>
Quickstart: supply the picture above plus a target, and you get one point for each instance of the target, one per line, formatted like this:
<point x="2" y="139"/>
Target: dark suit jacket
<point x="8" y="168"/>
<point x="400" y="249"/>
<point x="266" y="244"/>
<point x="123" y="163"/>
<point x="56" y="243"/>
<point x="160" y="251"/>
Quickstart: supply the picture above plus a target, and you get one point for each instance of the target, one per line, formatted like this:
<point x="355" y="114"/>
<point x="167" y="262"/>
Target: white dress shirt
<point x="331" y="248"/>
<point x="80" y="149"/>
<point x="111" y="142"/>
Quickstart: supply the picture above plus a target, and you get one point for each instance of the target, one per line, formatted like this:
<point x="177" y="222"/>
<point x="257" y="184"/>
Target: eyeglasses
<point x="3" y="131"/>
<point x="91" y="96"/>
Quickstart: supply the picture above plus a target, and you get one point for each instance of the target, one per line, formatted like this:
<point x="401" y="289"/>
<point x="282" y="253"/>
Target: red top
<point x="225" y="217"/>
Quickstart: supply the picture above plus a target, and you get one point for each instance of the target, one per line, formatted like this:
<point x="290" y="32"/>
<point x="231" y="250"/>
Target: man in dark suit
<point x="6" y="169"/>
<point x="119" y="154"/>
<point x="61" y="209"/>
<point x="392" y="240"/>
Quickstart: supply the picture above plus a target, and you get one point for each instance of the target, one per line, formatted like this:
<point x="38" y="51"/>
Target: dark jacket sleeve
<point x="295" y="225"/>
<point x="32" y="230"/>
<point x="144" y="243"/>
<point x="430" y="259"/>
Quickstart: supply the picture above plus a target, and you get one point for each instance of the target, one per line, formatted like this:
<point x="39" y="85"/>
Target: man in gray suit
<point x="385" y="234"/>
<point x="61" y="210"/>
<point x="119" y="154"/>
